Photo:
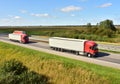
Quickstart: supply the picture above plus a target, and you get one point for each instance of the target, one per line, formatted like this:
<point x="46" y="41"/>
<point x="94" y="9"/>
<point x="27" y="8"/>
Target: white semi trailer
<point x="83" y="47"/>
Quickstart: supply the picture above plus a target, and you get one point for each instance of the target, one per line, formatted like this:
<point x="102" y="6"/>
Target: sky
<point x="58" y="12"/>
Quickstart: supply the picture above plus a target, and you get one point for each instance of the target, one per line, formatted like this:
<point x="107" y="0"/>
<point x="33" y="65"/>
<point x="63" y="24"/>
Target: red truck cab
<point x="91" y="48"/>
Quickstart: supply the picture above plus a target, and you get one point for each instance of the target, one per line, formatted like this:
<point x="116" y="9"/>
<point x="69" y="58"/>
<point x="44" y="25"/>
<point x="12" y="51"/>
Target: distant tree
<point x="107" y="24"/>
<point x="97" y="25"/>
<point x="89" y="25"/>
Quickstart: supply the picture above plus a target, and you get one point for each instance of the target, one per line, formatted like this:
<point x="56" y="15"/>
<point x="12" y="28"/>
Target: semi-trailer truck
<point x="20" y="36"/>
<point x="80" y="47"/>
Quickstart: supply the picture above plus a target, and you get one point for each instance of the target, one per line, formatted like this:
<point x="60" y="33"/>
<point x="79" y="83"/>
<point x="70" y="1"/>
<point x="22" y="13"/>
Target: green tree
<point x="107" y="24"/>
<point x="89" y="25"/>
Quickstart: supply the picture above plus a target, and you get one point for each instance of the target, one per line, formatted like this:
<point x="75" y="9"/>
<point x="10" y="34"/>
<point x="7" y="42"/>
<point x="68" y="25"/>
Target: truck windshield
<point x="26" y="37"/>
<point x="94" y="47"/>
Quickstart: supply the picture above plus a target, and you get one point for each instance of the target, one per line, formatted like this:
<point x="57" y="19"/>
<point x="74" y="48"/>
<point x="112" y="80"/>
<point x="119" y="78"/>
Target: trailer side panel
<point x="15" y="37"/>
<point x="67" y="43"/>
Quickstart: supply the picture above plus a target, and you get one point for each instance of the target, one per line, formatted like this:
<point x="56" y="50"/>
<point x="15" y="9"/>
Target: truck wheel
<point x="89" y="55"/>
<point x="77" y="53"/>
<point x="22" y="42"/>
<point x="51" y="48"/>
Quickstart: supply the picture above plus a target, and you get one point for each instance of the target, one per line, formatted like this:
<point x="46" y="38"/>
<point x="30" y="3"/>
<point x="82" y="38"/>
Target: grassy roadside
<point x="103" y="50"/>
<point x="60" y="70"/>
<point x="108" y="43"/>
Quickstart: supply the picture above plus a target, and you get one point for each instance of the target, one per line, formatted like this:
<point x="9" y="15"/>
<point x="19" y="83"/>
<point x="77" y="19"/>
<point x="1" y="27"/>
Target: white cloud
<point x="71" y="8"/>
<point x="12" y="20"/>
<point x="105" y="5"/>
<point x="72" y="15"/>
<point x="23" y="11"/>
<point x="16" y="20"/>
<point x="41" y="15"/>
<point x="16" y="17"/>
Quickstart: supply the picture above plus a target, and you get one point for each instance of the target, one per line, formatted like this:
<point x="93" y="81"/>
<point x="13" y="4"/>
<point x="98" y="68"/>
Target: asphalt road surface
<point x="105" y="59"/>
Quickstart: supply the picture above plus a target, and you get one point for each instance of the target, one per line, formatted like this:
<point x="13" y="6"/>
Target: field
<point x="78" y="32"/>
<point x="58" y="69"/>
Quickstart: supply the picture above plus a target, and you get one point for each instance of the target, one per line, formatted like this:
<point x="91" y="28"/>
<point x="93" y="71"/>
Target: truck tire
<point x="77" y="53"/>
<point x="89" y="55"/>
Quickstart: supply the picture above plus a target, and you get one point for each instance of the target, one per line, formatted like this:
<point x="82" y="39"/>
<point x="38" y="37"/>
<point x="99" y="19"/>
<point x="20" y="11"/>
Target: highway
<point x="104" y="59"/>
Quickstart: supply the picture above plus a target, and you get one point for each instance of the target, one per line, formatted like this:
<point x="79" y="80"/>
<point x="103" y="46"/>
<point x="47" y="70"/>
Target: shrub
<point x="33" y="78"/>
<point x="14" y="67"/>
<point x="82" y="36"/>
<point x="14" y="72"/>
<point x="76" y="36"/>
<point x="9" y="78"/>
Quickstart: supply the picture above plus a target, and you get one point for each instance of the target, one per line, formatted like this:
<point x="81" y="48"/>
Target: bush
<point x="33" y="78"/>
<point x="82" y="36"/>
<point x="14" y="67"/>
<point x="14" y="72"/>
<point x="9" y="78"/>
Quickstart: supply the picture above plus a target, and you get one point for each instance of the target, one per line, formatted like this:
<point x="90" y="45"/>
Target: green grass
<point x="116" y="52"/>
<point x="60" y="70"/>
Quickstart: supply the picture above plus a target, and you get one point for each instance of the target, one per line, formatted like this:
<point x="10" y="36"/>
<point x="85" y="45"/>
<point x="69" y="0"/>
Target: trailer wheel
<point x="62" y="50"/>
<point x="77" y="53"/>
<point x="89" y="55"/>
<point x="52" y="48"/>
